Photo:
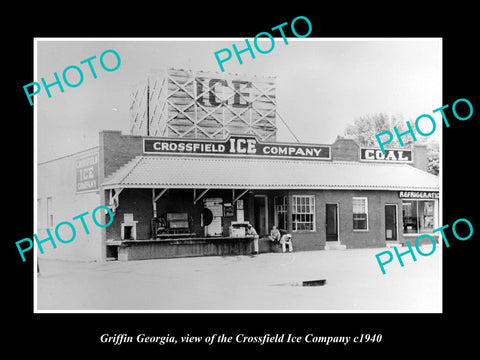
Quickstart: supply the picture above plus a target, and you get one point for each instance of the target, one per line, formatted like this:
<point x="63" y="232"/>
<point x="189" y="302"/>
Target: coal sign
<point x="375" y="154"/>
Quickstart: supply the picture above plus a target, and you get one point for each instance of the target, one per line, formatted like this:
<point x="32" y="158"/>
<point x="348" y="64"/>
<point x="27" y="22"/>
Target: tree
<point x="364" y="128"/>
<point x="433" y="151"/>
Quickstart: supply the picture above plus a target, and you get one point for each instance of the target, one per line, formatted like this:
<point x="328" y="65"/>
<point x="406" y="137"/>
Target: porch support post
<point x="239" y="196"/>
<point x="196" y="198"/>
<point x="154" y="200"/>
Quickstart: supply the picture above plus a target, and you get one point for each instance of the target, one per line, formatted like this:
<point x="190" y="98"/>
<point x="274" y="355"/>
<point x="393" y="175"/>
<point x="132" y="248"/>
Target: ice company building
<point x="202" y="161"/>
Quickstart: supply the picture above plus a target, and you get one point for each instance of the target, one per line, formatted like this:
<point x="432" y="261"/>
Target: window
<point x="280" y="206"/>
<point x="417" y="216"/>
<point x="39" y="213"/>
<point x="303" y="212"/>
<point x="49" y="212"/>
<point x="360" y="213"/>
<point x="41" y="218"/>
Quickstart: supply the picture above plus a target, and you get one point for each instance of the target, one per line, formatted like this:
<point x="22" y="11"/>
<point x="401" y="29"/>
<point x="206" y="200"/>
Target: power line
<point x="285" y="123"/>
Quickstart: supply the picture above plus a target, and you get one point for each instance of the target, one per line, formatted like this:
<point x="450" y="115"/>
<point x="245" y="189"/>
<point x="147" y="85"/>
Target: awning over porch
<point x="244" y="173"/>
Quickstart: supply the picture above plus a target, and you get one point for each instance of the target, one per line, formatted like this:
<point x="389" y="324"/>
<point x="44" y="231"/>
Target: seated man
<point x="286" y="240"/>
<point x="274" y="235"/>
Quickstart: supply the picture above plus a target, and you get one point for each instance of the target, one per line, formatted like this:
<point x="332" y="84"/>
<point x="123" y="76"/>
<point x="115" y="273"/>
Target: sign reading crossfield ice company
<point x="235" y="145"/>
<point x="375" y="154"/>
<point x="86" y="169"/>
<point x="418" y="194"/>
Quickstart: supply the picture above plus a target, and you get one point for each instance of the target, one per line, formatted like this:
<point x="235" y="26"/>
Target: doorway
<point x="331" y="222"/>
<point x="260" y="210"/>
<point x="390" y="222"/>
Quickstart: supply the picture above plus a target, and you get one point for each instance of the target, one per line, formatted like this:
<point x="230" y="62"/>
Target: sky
<point x="321" y="84"/>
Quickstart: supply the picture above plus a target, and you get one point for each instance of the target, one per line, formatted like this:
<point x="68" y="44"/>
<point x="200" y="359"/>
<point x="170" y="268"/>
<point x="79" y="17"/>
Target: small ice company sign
<point x="86" y="169"/>
<point x="235" y="145"/>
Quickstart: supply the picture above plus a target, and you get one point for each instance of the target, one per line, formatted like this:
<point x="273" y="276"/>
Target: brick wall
<point x="420" y="159"/>
<point x="137" y="202"/>
<point x="117" y="149"/>
<point x="348" y="150"/>
<point x="345" y="149"/>
<point x="373" y="237"/>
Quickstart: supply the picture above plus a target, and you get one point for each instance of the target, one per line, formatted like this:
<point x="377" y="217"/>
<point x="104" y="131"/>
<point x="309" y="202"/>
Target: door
<point x="391" y="222"/>
<point x="260" y="213"/>
<point x="331" y="222"/>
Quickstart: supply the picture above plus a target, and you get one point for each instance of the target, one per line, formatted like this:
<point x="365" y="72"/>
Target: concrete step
<point x="335" y="247"/>
<point x="391" y="245"/>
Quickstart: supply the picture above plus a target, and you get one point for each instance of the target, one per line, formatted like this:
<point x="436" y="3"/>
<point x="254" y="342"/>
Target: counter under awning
<point x="184" y="247"/>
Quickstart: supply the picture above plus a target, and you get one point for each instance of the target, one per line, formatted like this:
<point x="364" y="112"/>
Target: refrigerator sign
<point x="419" y="194"/>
